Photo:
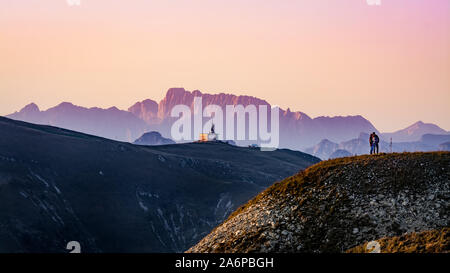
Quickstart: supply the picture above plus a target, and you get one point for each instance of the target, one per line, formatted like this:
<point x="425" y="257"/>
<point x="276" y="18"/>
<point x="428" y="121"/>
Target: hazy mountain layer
<point x="297" y="130"/>
<point x="414" y="132"/>
<point x="153" y="138"/>
<point x="358" y="146"/>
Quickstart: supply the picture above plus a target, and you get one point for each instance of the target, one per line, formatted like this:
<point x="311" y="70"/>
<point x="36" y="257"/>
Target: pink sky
<point x="390" y="63"/>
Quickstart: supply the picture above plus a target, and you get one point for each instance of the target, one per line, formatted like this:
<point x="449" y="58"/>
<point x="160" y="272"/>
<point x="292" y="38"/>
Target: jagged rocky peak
<point x="176" y="91"/>
<point x="180" y="95"/>
<point x="30" y="112"/>
<point x="197" y="93"/>
<point x="176" y="96"/>
<point x="339" y="204"/>
<point x="146" y="109"/>
<point x="294" y="115"/>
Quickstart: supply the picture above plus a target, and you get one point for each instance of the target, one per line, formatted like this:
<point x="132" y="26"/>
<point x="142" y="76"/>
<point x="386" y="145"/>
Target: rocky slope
<point x="430" y="241"/>
<point x="341" y="203"/>
<point x="58" y="186"/>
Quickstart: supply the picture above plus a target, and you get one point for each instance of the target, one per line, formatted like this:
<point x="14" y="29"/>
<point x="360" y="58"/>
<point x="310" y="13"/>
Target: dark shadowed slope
<point x="58" y="186"/>
<point x="341" y="203"/>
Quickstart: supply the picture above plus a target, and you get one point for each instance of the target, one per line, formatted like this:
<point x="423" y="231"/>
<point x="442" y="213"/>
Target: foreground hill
<point x="58" y="186"/>
<point x="430" y="241"/>
<point x="341" y="203"/>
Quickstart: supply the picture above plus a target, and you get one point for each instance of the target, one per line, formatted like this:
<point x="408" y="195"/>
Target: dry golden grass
<point x="431" y="241"/>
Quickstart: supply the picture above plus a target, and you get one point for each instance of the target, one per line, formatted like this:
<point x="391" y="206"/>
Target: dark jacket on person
<point x="377" y="139"/>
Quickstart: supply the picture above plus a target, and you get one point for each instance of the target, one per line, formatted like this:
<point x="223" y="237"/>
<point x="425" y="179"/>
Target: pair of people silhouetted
<point x="373" y="141"/>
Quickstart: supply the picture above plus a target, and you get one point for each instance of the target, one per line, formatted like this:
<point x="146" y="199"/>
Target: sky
<point x="388" y="63"/>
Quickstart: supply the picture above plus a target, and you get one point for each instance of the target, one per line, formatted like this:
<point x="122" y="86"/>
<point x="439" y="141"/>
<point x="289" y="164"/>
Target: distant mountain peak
<point x="153" y="138"/>
<point x="176" y="91"/>
<point x="30" y="108"/>
<point x="146" y="110"/>
<point x="325" y="140"/>
<point x="30" y="112"/>
<point x="65" y="104"/>
<point x="145" y="105"/>
<point x="420" y="124"/>
<point x="197" y="93"/>
<point x="414" y="132"/>
<point x="295" y="115"/>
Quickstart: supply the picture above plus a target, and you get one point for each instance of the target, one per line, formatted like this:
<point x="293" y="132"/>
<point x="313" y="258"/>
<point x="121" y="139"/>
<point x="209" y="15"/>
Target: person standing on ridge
<point x="376" y="140"/>
<point x="372" y="143"/>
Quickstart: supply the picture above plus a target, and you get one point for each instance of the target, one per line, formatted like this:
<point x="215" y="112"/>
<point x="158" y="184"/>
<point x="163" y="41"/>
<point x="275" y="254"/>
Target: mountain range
<point x="110" y="123"/>
<point x="414" y="132"/>
<point x="298" y="131"/>
<point x="58" y="185"/>
<point x="326" y="149"/>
